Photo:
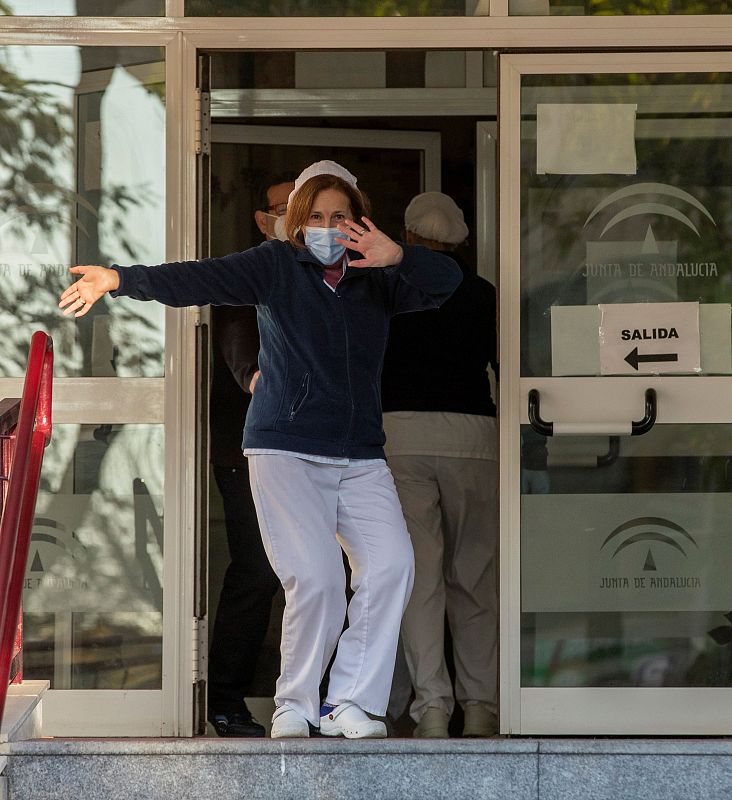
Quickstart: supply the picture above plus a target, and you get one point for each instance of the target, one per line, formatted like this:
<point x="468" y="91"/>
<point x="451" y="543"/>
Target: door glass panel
<point x="654" y="230"/>
<point x="624" y="563"/>
<point x="93" y="597"/>
<point x="83" y="8"/>
<point x="337" y="8"/>
<point x="81" y="181"/>
<point x="617" y="7"/>
<point x="624" y="540"/>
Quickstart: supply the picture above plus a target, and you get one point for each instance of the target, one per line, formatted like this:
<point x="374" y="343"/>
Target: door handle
<point x="635" y="428"/>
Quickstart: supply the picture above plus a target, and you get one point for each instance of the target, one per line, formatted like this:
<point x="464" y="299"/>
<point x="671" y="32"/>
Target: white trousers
<point x="450" y="505"/>
<point x="307" y="512"/>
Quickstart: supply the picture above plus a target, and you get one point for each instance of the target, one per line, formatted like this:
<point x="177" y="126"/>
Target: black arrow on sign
<point x="634" y="359"/>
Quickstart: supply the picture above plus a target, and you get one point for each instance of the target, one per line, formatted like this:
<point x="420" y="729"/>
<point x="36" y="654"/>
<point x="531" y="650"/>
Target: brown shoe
<point x="479" y="721"/>
<point x="433" y="724"/>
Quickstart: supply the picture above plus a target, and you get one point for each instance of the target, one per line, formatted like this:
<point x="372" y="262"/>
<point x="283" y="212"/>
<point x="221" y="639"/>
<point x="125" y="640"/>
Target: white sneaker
<point x="350" y="721"/>
<point x="288" y="724"/>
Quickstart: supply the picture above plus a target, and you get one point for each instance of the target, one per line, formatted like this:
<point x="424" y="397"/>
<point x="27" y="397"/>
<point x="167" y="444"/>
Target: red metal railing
<point x="23" y="448"/>
<point x="9" y="410"/>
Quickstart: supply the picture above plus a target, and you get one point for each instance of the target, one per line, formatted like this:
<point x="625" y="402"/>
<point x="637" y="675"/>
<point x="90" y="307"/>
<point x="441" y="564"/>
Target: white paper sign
<point x="585" y="138"/>
<point x="649" y="338"/>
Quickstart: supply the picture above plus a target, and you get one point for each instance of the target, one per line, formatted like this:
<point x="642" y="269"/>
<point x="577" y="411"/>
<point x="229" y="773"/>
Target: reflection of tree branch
<point x="31" y="82"/>
<point x="146" y="513"/>
<point x="34" y="130"/>
<point x="122" y="198"/>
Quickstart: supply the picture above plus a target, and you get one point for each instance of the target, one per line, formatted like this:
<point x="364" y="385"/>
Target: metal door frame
<point x="169" y="712"/>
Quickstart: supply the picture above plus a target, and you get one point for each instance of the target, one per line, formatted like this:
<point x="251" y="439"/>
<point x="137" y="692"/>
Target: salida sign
<point x="649" y="338"/>
<point x="653" y="333"/>
<point x="634" y="358"/>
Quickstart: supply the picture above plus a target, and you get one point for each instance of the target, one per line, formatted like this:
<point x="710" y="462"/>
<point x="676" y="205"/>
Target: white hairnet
<point x="435" y="216"/>
<point x="322" y="168"/>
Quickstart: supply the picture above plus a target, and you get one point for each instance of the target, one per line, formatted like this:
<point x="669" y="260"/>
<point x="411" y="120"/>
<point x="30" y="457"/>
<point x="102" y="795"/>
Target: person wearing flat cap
<point x="440" y="424"/>
<point x="313" y="432"/>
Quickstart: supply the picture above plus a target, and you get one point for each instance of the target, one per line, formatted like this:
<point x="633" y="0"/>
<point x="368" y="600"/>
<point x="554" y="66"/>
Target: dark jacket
<point x="234" y="353"/>
<point x="437" y="360"/>
<point x="321" y="351"/>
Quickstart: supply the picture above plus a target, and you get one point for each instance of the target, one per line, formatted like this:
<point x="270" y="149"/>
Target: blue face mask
<point x="321" y="243"/>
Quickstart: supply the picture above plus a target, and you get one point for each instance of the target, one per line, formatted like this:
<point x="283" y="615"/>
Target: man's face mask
<point x="275" y="226"/>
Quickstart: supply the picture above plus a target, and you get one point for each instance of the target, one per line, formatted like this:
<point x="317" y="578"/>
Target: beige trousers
<point x="450" y="505"/>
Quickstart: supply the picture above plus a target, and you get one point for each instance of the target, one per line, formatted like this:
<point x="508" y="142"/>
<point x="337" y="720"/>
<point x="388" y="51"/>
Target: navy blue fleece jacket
<point x="321" y="351"/>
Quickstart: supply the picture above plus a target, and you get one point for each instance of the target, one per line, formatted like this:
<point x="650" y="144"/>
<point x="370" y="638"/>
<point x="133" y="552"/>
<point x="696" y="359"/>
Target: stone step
<point x="22" y="718"/>
<point x="393" y="769"/>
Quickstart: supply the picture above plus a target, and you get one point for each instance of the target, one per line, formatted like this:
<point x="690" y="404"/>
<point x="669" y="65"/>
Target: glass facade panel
<point x="617" y="7"/>
<point x="336" y="8"/>
<point x="82" y="179"/>
<point x="93" y="597"/>
<point x="83" y="8"/>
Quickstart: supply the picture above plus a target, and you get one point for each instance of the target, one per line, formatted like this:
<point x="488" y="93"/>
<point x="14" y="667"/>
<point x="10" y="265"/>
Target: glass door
<point x="83" y="181"/>
<point x="616" y="284"/>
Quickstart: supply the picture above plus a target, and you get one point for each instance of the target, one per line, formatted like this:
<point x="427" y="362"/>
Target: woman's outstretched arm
<point x="237" y="279"/>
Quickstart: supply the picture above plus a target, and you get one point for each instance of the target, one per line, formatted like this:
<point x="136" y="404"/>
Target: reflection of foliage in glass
<point x="111" y="560"/>
<point x="119" y="553"/>
<point x="608" y="80"/>
<point x="316" y="8"/>
<point x="137" y="341"/>
<point x="34" y="134"/>
<point x="41" y="216"/>
<point x="92" y="8"/>
<point x="640" y="7"/>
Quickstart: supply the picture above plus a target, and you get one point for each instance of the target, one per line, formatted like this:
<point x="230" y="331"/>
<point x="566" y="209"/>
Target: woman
<point x="313" y="432"/>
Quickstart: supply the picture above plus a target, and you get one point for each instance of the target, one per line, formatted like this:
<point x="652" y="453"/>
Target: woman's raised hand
<point x="377" y="249"/>
<point x="93" y="284"/>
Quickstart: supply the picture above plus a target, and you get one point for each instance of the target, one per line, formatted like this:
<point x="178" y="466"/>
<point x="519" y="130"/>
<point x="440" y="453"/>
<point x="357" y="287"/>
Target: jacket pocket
<point x="300" y="397"/>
